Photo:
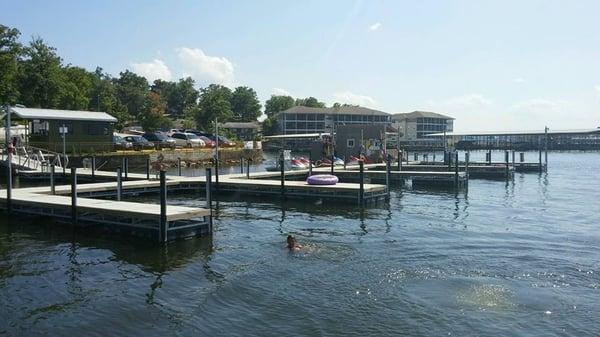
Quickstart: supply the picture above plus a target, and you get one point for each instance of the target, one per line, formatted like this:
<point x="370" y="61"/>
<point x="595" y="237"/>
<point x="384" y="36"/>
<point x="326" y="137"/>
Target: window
<point x="350" y="143"/>
<point x="40" y="127"/>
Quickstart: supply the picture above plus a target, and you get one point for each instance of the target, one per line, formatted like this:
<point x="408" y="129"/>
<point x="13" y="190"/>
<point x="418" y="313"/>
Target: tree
<point x="75" y="88"/>
<point x="41" y="76"/>
<point x="310" y="102"/>
<point x="153" y="115"/>
<point x="244" y="104"/>
<point x="131" y="92"/>
<point x="276" y="104"/>
<point x="270" y="126"/>
<point x="214" y="103"/>
<point x="10" y="54"/>
<point x="103" y="97"/>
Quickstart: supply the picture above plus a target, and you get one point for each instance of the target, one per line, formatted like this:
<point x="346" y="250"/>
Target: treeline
<point x="34" y="75"/>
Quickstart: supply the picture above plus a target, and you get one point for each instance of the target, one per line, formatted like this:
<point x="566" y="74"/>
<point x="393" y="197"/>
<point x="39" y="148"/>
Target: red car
<point x="207" y="141"/>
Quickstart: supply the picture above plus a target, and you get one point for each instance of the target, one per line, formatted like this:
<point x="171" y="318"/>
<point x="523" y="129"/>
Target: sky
<point x="492" y="65"/>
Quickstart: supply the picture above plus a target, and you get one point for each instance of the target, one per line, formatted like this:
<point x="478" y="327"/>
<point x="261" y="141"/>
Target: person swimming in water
<point x="292" y="244"/>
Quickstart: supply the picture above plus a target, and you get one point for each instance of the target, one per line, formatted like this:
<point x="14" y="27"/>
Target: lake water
<point x="518" y="258"/>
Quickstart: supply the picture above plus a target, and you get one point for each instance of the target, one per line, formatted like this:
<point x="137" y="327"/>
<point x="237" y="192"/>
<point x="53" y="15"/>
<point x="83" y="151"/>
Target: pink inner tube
<point x="322" y="179"/>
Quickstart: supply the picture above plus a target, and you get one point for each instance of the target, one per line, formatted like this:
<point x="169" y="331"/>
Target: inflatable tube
<point x="322" y="179"/>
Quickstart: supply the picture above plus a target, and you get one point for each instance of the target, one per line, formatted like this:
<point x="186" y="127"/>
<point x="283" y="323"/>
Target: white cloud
<point x="352" y="98"/>
<point x="597" y="88"/>
<point x="281" y="92"/>
<point x="519" y="80"/>
<point x="157" y="69"/>
<point x="375" y="26"/>
<point x="204" y="68"/>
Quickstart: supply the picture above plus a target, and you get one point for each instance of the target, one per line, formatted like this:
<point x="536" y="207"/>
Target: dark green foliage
<point x="276" y="104"/>
<point x="131" y="92"/>
<point x="215" y="102"/>
<point x="310" y="102"/>
<point x="41" y="76"/>
<point x="10" y="54"/>
<point x="245" y="105"/>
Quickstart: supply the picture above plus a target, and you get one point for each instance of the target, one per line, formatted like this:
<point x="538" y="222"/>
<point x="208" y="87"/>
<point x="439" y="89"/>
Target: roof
<point x="67" y="115"/>
<point x="419" y="114"/>
<point x="518" y="133"/>
<point x="240" y="125"/>
<point x="298" y="135"/>
<point x="341" y="110"/>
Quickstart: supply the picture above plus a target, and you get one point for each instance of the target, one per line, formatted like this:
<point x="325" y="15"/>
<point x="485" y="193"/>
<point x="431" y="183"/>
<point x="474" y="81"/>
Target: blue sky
<point x="493" y="65"/>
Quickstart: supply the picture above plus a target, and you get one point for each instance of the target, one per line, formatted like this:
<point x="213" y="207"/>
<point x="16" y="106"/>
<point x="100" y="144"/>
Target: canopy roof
<point x="64" y="115"/>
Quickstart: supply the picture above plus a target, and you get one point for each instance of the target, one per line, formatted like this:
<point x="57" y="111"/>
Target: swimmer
<point x="292" y="244"/>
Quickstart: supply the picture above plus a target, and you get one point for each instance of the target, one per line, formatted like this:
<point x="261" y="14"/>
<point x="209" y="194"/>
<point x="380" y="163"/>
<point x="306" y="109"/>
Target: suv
<point x="139" y="142"/>
<point x="187" y="139"/>
<point x="160" y="140"/>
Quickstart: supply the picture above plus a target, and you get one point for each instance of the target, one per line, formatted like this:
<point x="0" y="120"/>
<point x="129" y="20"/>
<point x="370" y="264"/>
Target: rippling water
<point x="520" y="258"/>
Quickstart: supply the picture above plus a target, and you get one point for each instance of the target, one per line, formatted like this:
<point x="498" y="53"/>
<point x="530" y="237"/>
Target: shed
<point x="86" y="131"/>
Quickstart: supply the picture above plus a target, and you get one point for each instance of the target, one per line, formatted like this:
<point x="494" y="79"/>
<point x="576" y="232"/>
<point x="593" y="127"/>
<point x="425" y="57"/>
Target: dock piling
<point x="456" y="169"/>
<point x="179" y="166"/>
<point x="282" y="167"/>
<point x="387" y="174"/>
<point x="332" y="162"/>
<point x="9" y="181"/>
<point x="209" y="197"/>
<point x="400" y="158"/>
<point x="119" y="183"/>
<point x="361" y="191"/>
<point x="126" y="167"/>
<point x="94" y="168"/>
<point x="217" y="174"/>
<point x="162" y="234"/>
<point x="148" y="168"/>
<point x="522" y="157"/>
<point x="506" y="162"/>
<point x="248" y="168"/>
<point x="73" y="195"/>
<point x="540" y="160"/>
<point x="310" y="164"/>
<point x="52" y="183"/>
<point x="467" y="158"/>
<point x="242" y="165"/>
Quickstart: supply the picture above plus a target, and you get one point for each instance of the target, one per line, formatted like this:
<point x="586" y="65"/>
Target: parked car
<point x="224" y="141"/>
<point x="121" y="144"/>
<point x="208" y="141"/>
<point x="160" y="140"/>
<point x="139" y="143"/>
<point x="187" y="139"/>
<point x="172" y="131"/>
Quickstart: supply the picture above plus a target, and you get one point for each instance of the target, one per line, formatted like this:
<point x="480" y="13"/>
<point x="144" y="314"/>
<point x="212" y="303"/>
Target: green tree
<point x="214" y="103"/>
<point x="310" y="102"/>
<point x="75" y="88"/>
<point x="10" y="54"/>
<point x="276" y="104"/>
<point x="244" y="104"/>
<point x="153" y="116"/>
<point x="131" y="92"/>
<point x="270" y="126"/>
<point x="177" y="95"/>
<point x="41" y="76"/>
<point x="103" y="97"/>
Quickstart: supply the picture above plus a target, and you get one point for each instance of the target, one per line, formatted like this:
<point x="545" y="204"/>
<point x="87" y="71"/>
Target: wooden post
<point x="94" y="168"/>
<point x="540" y="160"/>
<point x="344" y="162"/>
<point x="162" y="229"/>
<point x="400" y="155"/>
<point x="282" y="170"/>
<point x="467" y="158"/>
<point x="449" y="155"/>
<point x="513" y="158"/>
<point x="217" y="174"/>
<point x="387" y="174"/>
<point x="310" y="164"/>
<point x="506" y="162"/>
<point x="179" y="166"/>
<point x="209" y="196"/>
<point x="361" y="191"/>
<point x="148" y="168"/>
<point x="52" y="188"/>
<point x="522" y="157"/>
<point x="73" y="195"/>
<point x="456" y="169"/>
<point x="248" y="168"/>
<point x="125" y="164"/>
<point x="9" y="179"/>
<point x="332" y="160"/>
<point x="546" y="148"/>
<point x="416" y="156"/>
<point x="242" y="165"/>
<point x="119" y="183"/>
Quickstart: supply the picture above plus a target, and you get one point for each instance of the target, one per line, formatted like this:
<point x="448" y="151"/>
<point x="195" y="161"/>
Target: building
<point x="303" y="120"/>
<point x="356" y="139"/>
<point x="243" y="130"/>
<point x="414" y="128"/>
<point x="85" y="131"/>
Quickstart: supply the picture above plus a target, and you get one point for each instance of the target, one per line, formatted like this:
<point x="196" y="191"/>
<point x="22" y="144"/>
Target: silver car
<point x="185" y="139"/>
